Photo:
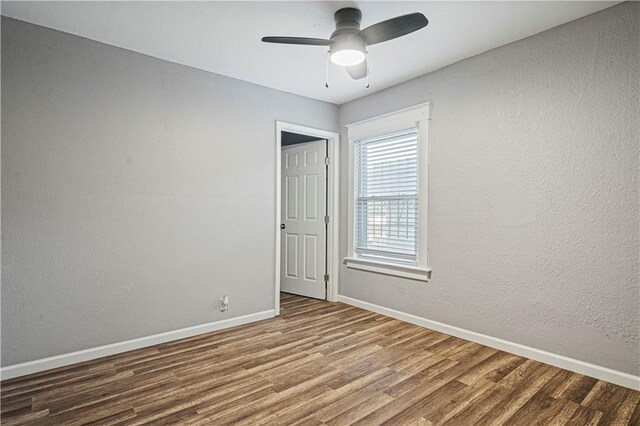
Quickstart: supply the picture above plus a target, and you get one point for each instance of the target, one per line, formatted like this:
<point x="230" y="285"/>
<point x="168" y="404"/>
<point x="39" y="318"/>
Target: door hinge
<point x="326" y="278"/>
<point x="326" y="219"/>
<point x="326" y="161"/>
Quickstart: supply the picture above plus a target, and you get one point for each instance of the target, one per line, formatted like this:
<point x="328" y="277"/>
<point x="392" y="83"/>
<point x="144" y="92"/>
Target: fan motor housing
<point x="347" y="21"/>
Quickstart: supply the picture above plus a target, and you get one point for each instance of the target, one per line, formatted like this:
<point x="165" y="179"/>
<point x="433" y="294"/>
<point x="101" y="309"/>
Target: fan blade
<point x="297" y="40"/>
<point x="358" y="71"/>
<point x="393" y="28"/>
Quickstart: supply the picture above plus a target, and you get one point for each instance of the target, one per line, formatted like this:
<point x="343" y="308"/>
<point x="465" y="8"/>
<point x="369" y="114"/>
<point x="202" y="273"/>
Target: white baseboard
<point x="43" y="364"/>
<point x="560" y="361"/>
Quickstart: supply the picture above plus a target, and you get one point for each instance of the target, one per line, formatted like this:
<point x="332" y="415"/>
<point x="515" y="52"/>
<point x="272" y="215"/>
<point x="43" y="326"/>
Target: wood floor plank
<point x="615" y="402"/>
<point x="539" y="409"/>
<point x="416" y="410"/>
<point x="319" y="363"/>
<point x="578" y="388"/>
<point x="458" y="402"/>
<point x="584" y="416"/>
<point x="344" y="404"/>
<point x="361" y="410"/>
<point x="521" y="392"/>
<point x="480" y="406"/>
<point x="487" y="366"/>
<point x="564" y="415"/>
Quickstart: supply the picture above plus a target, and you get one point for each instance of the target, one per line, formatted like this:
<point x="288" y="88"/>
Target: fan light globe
<point x="347" y="57"/>
<point x="347" y="50"/>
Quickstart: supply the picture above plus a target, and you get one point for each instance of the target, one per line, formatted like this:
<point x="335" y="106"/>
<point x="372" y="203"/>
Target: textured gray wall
<point x="135" y="192"/>
<point x="533" y="203"/>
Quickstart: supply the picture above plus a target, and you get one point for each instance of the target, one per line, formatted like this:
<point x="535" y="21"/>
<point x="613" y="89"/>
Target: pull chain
<point x="326" y="84"/>
<point x="367" y="59"/>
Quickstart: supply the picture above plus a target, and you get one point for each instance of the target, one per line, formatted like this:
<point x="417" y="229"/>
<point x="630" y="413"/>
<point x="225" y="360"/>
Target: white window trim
<point x="416" y="116"/>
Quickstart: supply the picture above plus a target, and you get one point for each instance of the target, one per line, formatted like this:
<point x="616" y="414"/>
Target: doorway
<point x="306" y="212"/>
<point x="304" y="218"/>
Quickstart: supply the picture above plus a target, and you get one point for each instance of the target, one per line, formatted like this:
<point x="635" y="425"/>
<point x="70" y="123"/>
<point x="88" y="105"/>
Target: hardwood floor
<point x="319" y="363"/>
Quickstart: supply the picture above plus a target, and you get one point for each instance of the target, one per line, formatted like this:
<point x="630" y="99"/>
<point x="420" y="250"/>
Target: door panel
<point x="311" y="189"/>
<point x="291" y="258"/>
<point x="291" y="194"/>
<point x="311" y="258"/>
<point x="304" y="206"/>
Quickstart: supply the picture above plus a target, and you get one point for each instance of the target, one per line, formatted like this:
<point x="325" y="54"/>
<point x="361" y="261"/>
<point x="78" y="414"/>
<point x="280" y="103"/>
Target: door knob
<point x="282" y="226"/>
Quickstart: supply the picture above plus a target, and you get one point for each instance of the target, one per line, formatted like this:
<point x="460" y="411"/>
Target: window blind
<point x="386" y="196"/>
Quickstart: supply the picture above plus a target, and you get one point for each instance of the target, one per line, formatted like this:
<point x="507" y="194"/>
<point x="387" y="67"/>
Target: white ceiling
<point x="224" y="37"/>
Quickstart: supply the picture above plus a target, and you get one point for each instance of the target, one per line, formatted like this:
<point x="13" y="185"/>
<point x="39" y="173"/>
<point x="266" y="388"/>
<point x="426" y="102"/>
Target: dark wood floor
<point x="319" y="363"/>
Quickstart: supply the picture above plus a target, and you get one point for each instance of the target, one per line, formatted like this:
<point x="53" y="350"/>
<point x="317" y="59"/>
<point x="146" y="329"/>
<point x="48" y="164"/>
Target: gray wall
<point x="533" y="203"/>
<point x="135" y="192"/>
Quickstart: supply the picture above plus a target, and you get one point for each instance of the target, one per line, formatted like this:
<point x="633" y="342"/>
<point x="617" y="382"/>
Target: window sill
<point x="411" y="272"/>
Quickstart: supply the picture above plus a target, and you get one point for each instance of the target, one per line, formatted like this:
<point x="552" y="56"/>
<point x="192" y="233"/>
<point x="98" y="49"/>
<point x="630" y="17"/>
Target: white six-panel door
<point x="303" y="237"/>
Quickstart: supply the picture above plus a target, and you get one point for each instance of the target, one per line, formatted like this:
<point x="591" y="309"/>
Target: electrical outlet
<point x="223" y="303"/>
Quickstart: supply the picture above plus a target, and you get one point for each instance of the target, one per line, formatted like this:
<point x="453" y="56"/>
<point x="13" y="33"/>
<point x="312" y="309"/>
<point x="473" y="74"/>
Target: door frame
<point x="333" y="197"/>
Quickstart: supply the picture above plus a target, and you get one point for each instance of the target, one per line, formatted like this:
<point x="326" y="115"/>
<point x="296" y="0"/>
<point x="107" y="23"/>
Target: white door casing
<point x="303" y="239"/>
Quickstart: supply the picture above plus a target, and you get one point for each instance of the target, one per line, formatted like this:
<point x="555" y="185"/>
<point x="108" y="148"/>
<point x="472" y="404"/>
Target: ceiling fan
<point x="348" y="43"/>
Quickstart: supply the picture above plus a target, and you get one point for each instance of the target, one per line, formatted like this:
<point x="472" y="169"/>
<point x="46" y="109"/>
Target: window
<point x="388" y="194"/>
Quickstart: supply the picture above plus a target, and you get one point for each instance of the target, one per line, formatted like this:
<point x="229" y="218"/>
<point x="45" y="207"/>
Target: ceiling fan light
<point x="347" y="57"/>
